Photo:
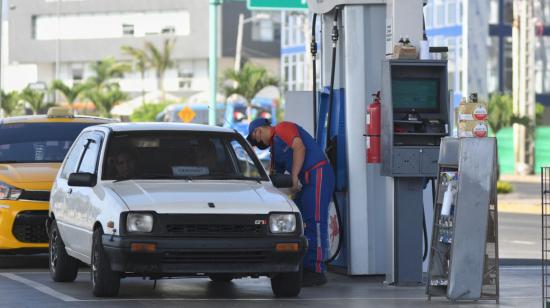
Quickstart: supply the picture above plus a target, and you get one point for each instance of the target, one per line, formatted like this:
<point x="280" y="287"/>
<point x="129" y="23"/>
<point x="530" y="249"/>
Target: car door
<point x="61" y="193"/>
<point x="81" y="199"/>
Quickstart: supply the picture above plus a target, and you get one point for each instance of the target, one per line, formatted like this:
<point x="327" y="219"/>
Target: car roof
<point x="156" y="126"/>
<point x="55" y="119"/>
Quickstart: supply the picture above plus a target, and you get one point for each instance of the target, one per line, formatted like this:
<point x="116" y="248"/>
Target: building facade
<point x="452" y="23"/>
<point x="59" y="39"/>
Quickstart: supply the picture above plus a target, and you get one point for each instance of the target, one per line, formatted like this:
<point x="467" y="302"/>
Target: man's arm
<point x="298" y="157"/>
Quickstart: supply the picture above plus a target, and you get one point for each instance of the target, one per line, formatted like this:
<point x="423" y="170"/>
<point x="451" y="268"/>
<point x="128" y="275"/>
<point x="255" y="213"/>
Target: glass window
<point x="92" y="145"/>
<point x="541" y="65"/>
<point x="439" y="14"/>
<point x="37" y="142"/>
<point x="73" y="158"/>
<point x="508" y="11"/>
<point x="127" y="29"/>
<point x="429" y="15"/>
<point x="180" y="155"/>
<point x="245" y="164"/>
<point x="493" y="11"/>
<point x="451" y="12"/>
<point x="492" y="64"/>
<point x="508" y="65"/>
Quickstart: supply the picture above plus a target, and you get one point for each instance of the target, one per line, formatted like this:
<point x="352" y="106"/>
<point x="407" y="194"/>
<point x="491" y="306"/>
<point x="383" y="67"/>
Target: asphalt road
<point x="520" y="236"/>
<point x="25" y="282"/>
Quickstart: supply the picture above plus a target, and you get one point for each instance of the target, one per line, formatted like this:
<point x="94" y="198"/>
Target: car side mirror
<point x="82" y="179"/>
<point x="281" y="180"/>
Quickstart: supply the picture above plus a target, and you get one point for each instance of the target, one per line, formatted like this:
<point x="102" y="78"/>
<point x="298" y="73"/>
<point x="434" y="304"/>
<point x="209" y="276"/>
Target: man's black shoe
<point x="313" y="279"/>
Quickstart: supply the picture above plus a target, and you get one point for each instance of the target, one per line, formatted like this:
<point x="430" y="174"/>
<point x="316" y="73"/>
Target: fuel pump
<point x="354" y="39"/>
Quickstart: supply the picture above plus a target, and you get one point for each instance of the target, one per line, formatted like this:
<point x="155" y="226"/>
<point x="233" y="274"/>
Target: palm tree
<point x="9" y="102"/>
<point x="106" y="98"/>
<point x="160" y="60"/>
<point x="140" y="63"/>
<point x="71" y="93"/>
<point x="248" y="82"/>
<point x="35" y="99"/>
<point x="106" y="70"/>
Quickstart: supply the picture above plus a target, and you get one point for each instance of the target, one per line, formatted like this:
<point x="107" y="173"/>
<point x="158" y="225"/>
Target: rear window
<point x="37" y="142"/>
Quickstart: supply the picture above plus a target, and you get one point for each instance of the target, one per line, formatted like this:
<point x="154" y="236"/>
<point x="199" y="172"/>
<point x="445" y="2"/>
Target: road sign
<point x="187" y="114"/>
<point x="276" y="4"/>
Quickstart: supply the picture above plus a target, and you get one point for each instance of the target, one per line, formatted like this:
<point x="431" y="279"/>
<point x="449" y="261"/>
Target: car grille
<point x="30" y="227"/>
<point x="222" y="230"/>
<point x="213" y="225"/>
<point x="215" y="257"/>
<point x="35" y="195"/>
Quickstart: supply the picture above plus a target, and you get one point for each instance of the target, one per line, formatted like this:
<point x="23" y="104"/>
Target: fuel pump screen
<point x="420" y="94"/>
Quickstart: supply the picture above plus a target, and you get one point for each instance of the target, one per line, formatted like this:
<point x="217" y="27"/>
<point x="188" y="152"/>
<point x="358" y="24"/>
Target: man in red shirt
<point x="294" y="151"/>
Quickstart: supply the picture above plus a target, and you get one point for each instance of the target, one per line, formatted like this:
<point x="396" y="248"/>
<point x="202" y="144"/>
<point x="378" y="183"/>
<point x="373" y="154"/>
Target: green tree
<point x="247" y="82"/>
<point x="141" y="64"/>
<point x="10" y="101"/>
<point x="106" y="70"/>
<point x="160" y="60"/>
<point x="71" y="94"/>
<point x="500" y="110"/>
<point x="148" y="112"/>
<point x="539" y="111"/>
<point x="106" y="98"/>
<point x="35" y="99"/>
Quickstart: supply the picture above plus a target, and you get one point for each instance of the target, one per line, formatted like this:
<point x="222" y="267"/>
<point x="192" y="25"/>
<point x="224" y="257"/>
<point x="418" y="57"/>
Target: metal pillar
<point x="213" y="60"/>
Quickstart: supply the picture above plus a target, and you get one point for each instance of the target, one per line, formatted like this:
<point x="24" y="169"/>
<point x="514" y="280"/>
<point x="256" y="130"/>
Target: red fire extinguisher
<point x="373" y="130"/>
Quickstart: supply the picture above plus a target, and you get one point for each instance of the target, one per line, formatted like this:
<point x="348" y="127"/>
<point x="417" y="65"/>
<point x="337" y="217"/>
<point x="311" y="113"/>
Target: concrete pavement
<point x="27" y="287"/>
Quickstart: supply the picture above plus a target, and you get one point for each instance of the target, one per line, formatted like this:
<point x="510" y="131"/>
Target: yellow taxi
<point x="32" y="149"/>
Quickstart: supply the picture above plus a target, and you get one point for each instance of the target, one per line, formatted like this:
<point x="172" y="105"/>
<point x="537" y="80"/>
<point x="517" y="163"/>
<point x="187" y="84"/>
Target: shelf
<point x="420" y="134"/>
<point x="407" y="122"/>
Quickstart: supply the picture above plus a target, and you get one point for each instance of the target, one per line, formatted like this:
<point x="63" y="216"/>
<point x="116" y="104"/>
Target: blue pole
<point x="213" y="60"/>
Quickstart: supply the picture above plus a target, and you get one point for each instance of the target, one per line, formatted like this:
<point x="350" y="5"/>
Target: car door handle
<point x="69" y="191"/>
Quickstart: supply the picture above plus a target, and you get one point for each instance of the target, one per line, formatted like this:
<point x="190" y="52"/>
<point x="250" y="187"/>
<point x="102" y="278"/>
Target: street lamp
<point x="239" y="44"/>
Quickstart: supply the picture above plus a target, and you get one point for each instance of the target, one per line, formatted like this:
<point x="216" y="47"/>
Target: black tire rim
<point x="54" y="237"/>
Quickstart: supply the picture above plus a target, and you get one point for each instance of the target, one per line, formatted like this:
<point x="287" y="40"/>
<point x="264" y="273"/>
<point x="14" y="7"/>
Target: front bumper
<point x="191" y="256"/>
<point x="29" y="227"/>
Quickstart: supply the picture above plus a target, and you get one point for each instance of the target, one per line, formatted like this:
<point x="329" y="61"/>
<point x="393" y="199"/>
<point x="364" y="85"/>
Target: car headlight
<point x="282" y="223"/>
<point x="8" y="192"/>
<point x="139" y="222"/>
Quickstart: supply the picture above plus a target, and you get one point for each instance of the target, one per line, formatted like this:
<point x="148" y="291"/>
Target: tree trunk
<point x="160" y="85"/>
<point x="142" y="87"/>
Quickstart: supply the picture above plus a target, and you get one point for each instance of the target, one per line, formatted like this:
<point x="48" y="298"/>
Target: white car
<point x="164" y="200"/>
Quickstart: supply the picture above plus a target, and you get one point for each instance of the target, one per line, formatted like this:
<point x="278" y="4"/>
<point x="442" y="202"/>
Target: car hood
<point x="228" y="197"/>
<point x="29" y="176"/>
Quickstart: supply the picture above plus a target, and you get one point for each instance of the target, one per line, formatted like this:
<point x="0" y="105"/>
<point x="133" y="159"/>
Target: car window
<point x="37" y="142"/>
<point x="92" y="145"/>
<point x="245" y="164"/>
<point x="180" y="154"/>
<point x="73" y="157"/>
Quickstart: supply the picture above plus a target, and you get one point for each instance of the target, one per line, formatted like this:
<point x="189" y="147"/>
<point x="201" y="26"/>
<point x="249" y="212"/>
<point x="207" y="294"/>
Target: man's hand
<point x="296" y="185"/>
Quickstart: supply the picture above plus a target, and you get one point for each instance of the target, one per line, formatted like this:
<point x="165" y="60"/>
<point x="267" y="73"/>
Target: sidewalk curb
<point x="519" y="208"/>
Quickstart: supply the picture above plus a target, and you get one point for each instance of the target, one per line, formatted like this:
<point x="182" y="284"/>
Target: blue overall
<point x="317" y="178"/>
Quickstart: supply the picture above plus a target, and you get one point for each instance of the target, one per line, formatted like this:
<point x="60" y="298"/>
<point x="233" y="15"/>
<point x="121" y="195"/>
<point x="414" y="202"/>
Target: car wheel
<point x="63" y="268"/>
<point x="221" y="277"/>
<point x="287" y="284"/>
<point x="105" y="281"/>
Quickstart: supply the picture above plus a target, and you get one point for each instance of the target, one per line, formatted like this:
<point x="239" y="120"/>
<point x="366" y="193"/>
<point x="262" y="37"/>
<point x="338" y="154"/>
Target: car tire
<point x="287" y="284"/>
<point x="221" y="278"/>
<point x="63" y="268"/>
<point x="105" y="281"/>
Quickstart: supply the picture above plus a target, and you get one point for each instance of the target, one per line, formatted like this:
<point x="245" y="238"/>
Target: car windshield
<point x="180" y="155"/>
<point x="37" y="142"/>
